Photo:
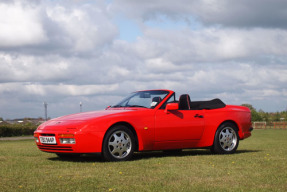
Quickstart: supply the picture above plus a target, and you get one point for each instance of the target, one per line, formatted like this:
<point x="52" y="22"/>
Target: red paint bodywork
<point x="155" y="129"/>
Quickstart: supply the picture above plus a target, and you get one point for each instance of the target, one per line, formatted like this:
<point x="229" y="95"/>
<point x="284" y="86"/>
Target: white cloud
<point x="80" y="90"/>
<point x="20" y="25"/>
<point x="234" y="13"/>
<point x="73" y="53"/>
<point x="45" y="26"/>
<point x="27" y="68"/>
<point x="213" y="44"/>
<point x="85" y="27"/>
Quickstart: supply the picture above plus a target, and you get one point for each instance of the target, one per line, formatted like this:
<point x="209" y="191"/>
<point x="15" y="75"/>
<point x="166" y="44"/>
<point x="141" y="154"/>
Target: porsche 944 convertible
<point x="145" y="121"/>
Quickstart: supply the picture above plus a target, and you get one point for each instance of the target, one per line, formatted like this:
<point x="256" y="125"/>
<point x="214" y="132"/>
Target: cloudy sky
<point x="95" y="52"/>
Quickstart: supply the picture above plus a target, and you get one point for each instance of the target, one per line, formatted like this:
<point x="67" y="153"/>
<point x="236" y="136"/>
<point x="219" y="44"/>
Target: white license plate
<point x="48" y="140"/>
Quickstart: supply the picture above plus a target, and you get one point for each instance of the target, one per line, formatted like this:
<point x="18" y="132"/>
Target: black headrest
<point x="156" y="99"/>
<point x="184" y="102"/>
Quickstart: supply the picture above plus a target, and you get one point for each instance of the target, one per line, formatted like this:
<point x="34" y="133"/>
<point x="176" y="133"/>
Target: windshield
<point x="145" y="99"/>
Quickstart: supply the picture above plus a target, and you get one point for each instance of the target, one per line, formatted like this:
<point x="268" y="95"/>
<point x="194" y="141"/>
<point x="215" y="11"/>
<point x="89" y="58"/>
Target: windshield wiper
<point x="136" y="106"/>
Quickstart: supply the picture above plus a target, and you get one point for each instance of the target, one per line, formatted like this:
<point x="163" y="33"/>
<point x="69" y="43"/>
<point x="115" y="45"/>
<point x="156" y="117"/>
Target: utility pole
<point x="46" y="110"/>
<point x="81" y="104"/>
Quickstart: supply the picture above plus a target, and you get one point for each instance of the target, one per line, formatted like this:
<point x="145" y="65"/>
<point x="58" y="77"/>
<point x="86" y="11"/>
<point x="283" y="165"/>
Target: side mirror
<point x="170" y="107"/>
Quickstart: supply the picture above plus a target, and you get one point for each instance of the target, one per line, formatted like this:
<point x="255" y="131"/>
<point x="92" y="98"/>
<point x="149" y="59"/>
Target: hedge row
<point x="17" y="130"/>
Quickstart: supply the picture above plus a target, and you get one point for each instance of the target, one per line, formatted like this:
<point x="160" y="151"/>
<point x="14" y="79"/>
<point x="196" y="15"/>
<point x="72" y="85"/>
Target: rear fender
<point x="209" y="133"/>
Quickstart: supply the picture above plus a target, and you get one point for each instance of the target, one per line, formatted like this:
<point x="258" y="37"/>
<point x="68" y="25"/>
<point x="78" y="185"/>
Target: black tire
<point x="118" y="144"/>
<point x="226" y="139"/>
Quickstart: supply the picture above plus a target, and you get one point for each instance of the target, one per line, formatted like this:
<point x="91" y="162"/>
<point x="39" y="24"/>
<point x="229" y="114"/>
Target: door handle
<point x="198" y="116"/>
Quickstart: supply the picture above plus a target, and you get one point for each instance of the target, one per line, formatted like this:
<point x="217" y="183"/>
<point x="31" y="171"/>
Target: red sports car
<point x="145" y="121"/>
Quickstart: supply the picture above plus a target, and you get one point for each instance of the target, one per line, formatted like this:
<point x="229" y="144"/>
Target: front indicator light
<point x="67" y="141"/>
<point x="36" y="137"/>
<point x="66" y="135"/>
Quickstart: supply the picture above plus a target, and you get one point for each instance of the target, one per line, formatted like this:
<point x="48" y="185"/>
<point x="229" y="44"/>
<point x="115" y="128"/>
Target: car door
<point x="178" y="125"/>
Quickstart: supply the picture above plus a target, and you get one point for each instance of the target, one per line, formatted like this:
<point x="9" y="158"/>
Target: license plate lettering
<point x="48" y="140"/>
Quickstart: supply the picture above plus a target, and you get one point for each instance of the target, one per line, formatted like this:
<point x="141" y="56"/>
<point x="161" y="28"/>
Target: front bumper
<point x="85" y="143"/>
<point x="57" y="147"/>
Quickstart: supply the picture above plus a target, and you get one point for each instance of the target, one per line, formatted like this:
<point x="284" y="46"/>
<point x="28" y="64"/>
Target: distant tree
<point x="284" y="115"/>
<point x="249" y="106"/>
<point x="276" y="116"/>
<point x="254" y="114"/>
<point x="265" y="116"/>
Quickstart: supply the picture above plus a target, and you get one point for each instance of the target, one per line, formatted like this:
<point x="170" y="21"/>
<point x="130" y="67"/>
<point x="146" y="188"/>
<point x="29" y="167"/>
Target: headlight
<point x="67" y="140"/>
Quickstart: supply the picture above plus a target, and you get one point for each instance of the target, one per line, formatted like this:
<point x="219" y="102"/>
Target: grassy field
<point x="259" y="165"/>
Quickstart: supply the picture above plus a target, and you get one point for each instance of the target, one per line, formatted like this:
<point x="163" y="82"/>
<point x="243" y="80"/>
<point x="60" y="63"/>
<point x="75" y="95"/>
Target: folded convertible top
<point x="212" y="104"/>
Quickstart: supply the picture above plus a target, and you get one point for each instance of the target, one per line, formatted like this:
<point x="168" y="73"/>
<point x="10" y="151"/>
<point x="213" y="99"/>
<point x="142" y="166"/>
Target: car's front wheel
<point x="119" y="144"/>
<point x="226" y="139"/>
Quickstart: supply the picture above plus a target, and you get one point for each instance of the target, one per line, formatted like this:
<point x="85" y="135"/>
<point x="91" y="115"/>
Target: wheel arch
<point x="225" y="121"/>
<point x="214" y="148"/>
<point x="237" y="127"/>
<point x="230" y="121"/>
<point x="211" y="129"/>
<point x="130" y="127"/>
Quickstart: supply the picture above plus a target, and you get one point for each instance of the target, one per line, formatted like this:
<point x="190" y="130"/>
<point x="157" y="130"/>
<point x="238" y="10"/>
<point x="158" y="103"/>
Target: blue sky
<point x="128" y="29"/>
<point x="96" y="52"/>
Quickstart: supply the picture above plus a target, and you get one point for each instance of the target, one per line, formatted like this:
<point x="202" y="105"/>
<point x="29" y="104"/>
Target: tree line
<point x="260" y="115"/>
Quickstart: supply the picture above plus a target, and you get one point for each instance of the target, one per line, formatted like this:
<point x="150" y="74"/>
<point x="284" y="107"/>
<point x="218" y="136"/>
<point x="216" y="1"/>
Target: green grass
<point x="259" y="165"/>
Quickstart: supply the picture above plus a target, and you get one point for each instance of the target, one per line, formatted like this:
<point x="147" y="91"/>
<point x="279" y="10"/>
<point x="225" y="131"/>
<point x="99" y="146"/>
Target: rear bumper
<point x="247" y="133"/>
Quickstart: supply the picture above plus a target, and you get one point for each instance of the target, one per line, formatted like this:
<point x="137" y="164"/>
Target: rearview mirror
<point x="145" y="95"/>
<point x="170" y="107"/>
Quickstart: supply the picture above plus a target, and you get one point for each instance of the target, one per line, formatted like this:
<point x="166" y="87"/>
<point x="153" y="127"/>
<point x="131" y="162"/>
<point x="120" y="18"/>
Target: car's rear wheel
<point x="226" y="139"/>
<point x="119" y="144"/>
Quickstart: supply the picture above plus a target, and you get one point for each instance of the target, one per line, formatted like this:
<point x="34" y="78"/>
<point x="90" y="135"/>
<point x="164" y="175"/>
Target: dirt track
<point x="15" y="138"/>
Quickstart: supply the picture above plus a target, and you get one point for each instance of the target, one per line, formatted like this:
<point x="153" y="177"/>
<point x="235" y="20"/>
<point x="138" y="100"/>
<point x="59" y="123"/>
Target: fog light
<point x="67" y="140"/>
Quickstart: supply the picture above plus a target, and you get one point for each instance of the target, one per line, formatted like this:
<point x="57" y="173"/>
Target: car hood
<point x="89" y="115"/>
<point x="76" y="121"/>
